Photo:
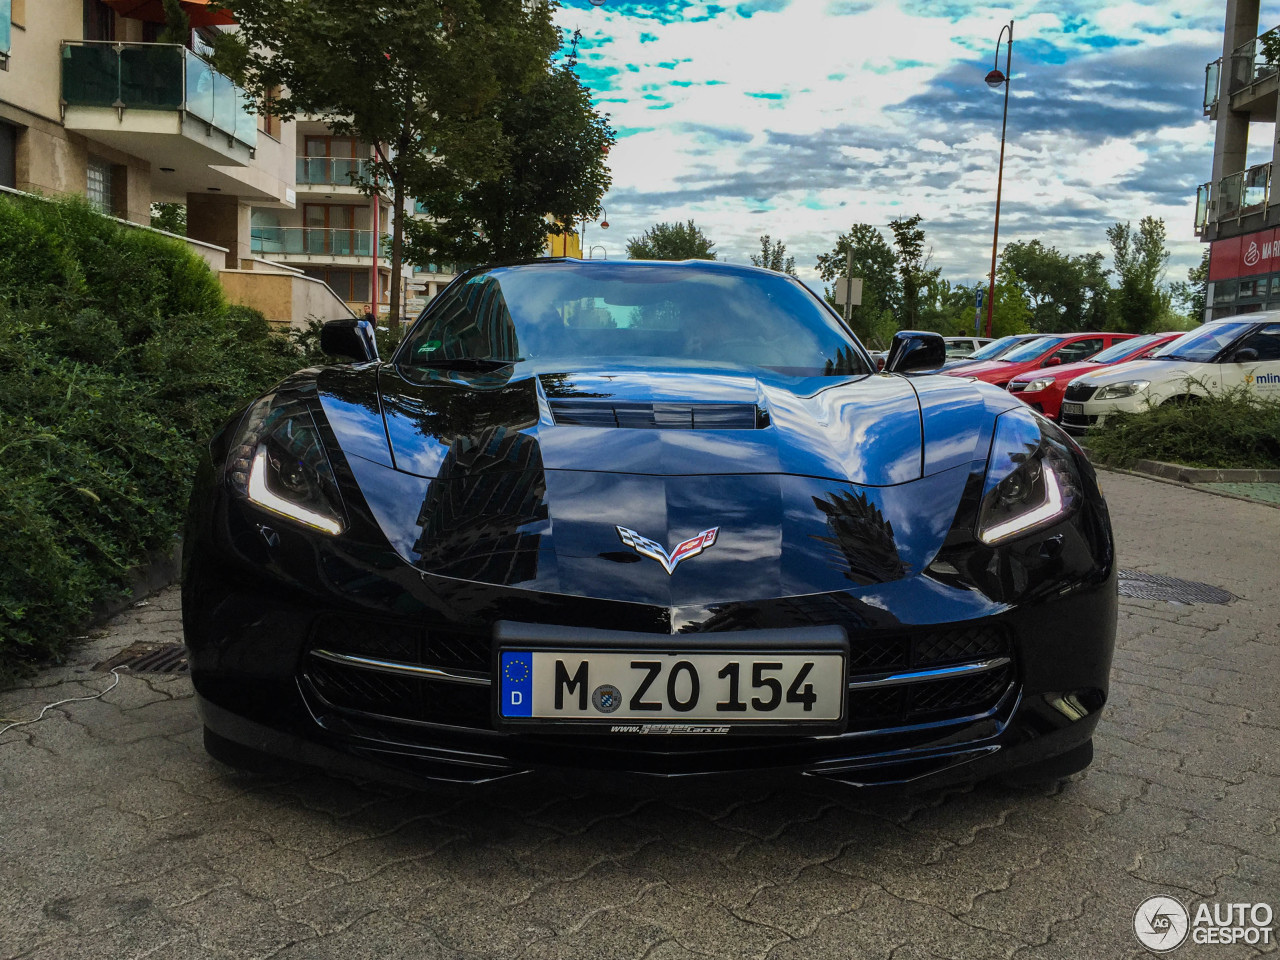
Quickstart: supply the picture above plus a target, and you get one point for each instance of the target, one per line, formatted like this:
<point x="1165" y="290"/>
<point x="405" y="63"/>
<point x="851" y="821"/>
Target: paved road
<point x="119" y="838"/>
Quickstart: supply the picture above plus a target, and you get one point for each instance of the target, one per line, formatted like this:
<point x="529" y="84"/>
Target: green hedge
<point x="1237" y="429"/>
<point x="118" y="356"/>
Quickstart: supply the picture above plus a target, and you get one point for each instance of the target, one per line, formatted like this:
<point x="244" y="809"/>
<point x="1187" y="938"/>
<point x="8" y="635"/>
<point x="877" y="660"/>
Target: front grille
<point x="1017" y="386"/>
<point x="930" y="648"/>
<point x="1079" y="420"/>
<point x="1079" y="392"/>
<point x="442" y="647"/>
<point x="369" y="691"/>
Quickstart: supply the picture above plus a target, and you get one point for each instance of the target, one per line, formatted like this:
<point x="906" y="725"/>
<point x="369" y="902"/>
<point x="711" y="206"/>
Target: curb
<point x="161" y="569"/>
<point x="1176" y="471"/>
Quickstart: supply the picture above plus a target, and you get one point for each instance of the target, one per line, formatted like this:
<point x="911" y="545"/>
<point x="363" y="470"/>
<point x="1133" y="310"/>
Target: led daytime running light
<point x="259" y="494"/>
<point x="1051" y="508"/>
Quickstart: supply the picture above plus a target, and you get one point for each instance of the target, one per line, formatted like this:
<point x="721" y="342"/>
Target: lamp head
<point x="996" y="79"/>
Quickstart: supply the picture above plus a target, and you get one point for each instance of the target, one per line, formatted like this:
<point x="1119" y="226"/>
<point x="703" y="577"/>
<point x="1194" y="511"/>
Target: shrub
<point x="118" y="355"/>
<point x="1236" y="429"/>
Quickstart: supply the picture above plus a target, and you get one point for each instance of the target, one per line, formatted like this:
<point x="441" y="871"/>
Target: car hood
<point x="1066" y="372"/>
<point x="830" y="480"/>
<point x="986" y="368"/>
<point x="1153" y="370"/>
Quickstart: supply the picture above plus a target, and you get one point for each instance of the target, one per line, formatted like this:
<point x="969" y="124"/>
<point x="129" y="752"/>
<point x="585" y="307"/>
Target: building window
<point x="350" y="285"/>
<point x="8" y="156"/>
<point x="99" y="21"/>
<point x="98" y="188"/>
<point x="268" y="124"/>
<point x="7" y="15"/>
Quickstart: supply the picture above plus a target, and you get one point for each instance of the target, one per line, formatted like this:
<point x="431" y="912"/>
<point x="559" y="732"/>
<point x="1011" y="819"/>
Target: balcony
<point x="332" y="172"/>
<point x="1244" y="193"/>
<point x="157" y="101"/>
<point x="1204" y="204"/>
<point x="1252" y="77"/>
<point x="316" y="243"/>
<point x="1212" y="85"/>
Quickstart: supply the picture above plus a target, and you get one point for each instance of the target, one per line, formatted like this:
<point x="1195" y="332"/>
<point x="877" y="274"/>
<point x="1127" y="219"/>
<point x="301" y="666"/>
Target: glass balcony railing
<point x="156" y="76"/>
<point x="1203" y="197"/>
<point x="340" y="171"/>
<point x="1212" y="83"/>
<point x="1252" y="61"/>
<point x="1245" y="192"/>
<point x="315" y="242"/>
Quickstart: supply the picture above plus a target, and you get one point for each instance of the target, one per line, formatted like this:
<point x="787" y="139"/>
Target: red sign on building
<point x="1247" y="256"/>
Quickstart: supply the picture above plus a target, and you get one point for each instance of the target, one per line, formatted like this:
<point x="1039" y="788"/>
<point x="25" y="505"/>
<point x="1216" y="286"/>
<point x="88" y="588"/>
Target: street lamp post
<point x="997" y="79"/>
<point x="582" y="236"/>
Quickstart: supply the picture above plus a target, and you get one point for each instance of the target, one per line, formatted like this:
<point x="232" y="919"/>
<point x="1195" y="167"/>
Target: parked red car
<point x="1043" y="389"/>
<point x="1049" y="351"/>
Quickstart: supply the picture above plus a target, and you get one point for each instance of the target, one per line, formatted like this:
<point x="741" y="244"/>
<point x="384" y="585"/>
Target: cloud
<point x="800" y="117"/>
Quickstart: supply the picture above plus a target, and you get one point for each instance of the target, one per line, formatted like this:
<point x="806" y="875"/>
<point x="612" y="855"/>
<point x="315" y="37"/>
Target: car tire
<point x="1183" y="399"/>
<point x="1046" y="773"/>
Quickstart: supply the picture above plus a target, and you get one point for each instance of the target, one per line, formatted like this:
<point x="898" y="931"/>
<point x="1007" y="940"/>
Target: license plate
<point x="644" y="690"/>
<point x="1076" y="409"/>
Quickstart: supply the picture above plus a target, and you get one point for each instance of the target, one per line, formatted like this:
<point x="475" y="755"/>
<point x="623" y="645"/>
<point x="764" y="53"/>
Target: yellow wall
<point x="564" y="245"/>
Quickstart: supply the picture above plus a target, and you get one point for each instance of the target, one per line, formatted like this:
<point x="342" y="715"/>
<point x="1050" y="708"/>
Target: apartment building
<point x="1234" y="210"/>
<point x="92" y="104"/>
<point x="338" y="234"/>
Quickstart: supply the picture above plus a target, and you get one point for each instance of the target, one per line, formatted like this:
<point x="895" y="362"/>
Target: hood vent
<point x="659" y="416"/>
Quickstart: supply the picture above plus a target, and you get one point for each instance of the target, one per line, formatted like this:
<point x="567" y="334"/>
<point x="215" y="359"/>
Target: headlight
<point x="1044" y="383"/>
<point x="278" y="462"/>
<point x="1128" y="388"/>
<point x="1032" y="480"/>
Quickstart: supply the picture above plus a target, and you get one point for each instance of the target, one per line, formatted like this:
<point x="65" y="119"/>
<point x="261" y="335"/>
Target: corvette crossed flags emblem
<point x="683" y="551"/>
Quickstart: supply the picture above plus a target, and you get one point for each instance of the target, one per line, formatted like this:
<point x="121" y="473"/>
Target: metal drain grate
<point x="145" y="657"/>
<point x="1152" y="586"/>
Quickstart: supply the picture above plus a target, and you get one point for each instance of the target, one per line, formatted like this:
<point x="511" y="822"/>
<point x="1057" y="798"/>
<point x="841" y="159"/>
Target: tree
<point x="671" y="241"/>
<point x="170" y="217"/>
<point x="556" y="165"/>
<point x="1191" y="295"/>
<point x="419" y="80"/>
<point x="913" y="267"/>
<point x="944" y="308"/>
<point x="177" y="25"/>
<point x="1012" y="311"/>
<point x="1139" y="301"/>
<point x="773" y="256"/>
<point x="1066" y="293"/>
<point x="876" y="264"/>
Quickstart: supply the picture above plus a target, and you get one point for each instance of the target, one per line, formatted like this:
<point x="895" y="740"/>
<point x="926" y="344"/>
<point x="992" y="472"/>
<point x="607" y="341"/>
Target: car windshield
<point x="1118" y="351"/>
<point x="997" y="348"/>
<point x="568" y="311"/>
<point x="1032" y="349"/>
<point x="1203" y="343"/>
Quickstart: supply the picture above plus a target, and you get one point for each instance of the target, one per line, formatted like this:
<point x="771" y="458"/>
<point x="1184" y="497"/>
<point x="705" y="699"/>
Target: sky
<point x="799" y="118"/>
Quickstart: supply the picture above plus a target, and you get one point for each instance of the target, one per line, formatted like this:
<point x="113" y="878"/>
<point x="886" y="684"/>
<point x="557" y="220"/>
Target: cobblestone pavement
<point x="120" y="838"/>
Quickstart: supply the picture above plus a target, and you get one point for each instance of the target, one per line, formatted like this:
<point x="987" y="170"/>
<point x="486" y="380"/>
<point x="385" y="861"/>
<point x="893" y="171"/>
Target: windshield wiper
<point x="466" y="363"/>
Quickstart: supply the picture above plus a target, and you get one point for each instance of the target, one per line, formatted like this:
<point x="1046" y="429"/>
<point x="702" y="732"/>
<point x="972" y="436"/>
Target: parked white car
<point x="1242" y="351"/>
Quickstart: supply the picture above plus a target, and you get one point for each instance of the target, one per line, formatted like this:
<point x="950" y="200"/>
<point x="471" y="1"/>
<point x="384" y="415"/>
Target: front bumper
<point x="258" y="684"/>
<point x="1096" y="412"/>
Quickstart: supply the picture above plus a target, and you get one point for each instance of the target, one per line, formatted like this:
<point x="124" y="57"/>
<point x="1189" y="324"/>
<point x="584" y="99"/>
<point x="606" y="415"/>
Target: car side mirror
<point x="915" y="351"/>
<point x="1052" y="362"/>
<point x="350" y="339"/>
<point x="1245" y="355"/>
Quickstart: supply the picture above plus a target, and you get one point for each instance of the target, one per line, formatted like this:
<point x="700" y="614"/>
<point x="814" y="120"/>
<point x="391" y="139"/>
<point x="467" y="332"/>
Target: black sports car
<point x="659" y="518"/>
